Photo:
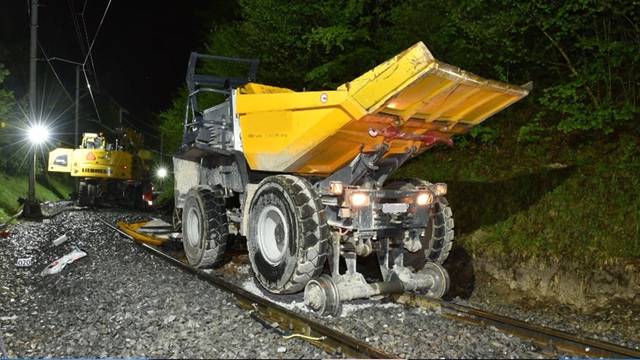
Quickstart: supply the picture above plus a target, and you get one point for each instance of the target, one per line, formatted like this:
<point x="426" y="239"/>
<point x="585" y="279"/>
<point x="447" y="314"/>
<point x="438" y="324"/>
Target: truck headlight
<point x="359" y="199"/>
<point x="424" y="199"/>
<point x="441" y="189"/>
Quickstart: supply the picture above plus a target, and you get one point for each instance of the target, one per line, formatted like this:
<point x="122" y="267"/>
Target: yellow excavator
<point x="115" y="173"/>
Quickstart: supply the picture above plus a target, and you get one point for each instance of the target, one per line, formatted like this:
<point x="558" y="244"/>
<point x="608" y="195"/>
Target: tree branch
<point x="569" y="63"/>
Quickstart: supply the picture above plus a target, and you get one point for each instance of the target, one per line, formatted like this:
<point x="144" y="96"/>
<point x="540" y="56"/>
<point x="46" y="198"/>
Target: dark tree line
<point x="583" y="56"/>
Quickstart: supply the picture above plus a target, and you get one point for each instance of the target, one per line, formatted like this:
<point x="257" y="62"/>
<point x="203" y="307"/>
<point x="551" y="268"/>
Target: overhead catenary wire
<point x="86" y="58"/>
<point x="93" y="100"/>
<point x="55" y="73"/>
<point x="104" y="15"/>
<point x="86" y="38"/>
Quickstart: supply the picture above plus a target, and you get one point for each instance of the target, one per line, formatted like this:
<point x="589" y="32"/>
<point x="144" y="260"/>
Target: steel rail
<point x="544" y="337"/>
<point x="289" y="323"/>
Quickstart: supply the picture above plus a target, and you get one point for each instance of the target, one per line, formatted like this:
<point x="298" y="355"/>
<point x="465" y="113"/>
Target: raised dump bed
<point x="409" y="95"/>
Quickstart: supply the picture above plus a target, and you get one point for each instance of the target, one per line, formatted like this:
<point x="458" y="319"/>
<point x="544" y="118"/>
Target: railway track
<point x="546" y="338"/>
<point x="291" y="324"/>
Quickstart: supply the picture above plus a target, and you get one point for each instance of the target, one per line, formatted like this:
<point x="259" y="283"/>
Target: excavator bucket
<point x="411" y="101"/>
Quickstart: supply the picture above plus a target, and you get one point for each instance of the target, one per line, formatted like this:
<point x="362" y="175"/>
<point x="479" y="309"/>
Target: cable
<point x="93" y="100"/>
<point x="306" y="337"/>
<point x="86" y="36"/>
<point x="55" y="73"/>
<point x="76" y="26"/>
<point x="97" y="31"/>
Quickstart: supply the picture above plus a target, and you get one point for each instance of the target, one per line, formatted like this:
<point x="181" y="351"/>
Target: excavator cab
<point x="94" y="141"/>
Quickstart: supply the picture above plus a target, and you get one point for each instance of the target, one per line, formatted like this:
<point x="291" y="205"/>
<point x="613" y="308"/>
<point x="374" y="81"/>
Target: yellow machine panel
<point x="92" y="163"/>
<point x="398" y="102"/>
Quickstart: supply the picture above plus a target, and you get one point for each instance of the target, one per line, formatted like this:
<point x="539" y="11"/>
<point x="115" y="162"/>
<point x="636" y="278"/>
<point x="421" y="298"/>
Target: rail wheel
<point x="321" y="295"/>
<point x="438" y="233"/>
<point x="205" y="227"/>
<point x="287" y="235"/>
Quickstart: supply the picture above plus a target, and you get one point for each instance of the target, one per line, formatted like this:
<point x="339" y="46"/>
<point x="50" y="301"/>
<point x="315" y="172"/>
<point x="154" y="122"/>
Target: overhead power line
<point x="93" y="100"/>
<point x="104" y="15"/>
<point x="55" y="73"/>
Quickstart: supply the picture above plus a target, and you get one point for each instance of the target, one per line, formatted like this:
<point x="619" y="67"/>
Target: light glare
<point x="162" y="172"/>
<point x="359" y="199"/>
<point x="424" y="199"/>
<point x="38" y="134"/>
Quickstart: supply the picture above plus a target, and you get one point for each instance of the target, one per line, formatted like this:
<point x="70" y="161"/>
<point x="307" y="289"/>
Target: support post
<point x="76" y="135"/>
<point x="32" y="207"/>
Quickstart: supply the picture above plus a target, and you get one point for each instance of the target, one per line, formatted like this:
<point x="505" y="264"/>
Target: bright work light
<point x="38" y="134"/>
<point x="161" y="172"/>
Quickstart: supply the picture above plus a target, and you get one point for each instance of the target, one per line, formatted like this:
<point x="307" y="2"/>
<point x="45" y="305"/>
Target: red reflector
<point x="90" y="156"/>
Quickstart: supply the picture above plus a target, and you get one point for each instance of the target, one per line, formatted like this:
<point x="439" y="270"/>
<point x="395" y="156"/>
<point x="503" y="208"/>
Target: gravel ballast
<point x="118" y="301"/>
<point x="121" y="301"/>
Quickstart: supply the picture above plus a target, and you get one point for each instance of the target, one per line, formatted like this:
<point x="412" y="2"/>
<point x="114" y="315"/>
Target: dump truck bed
<point x="399" y="102"/>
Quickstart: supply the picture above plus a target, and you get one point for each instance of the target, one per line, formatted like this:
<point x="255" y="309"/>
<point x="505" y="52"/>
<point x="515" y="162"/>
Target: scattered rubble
<point x="57" y="266"/>
<point x="60" y="240"/>
<point x="118" y="302"/>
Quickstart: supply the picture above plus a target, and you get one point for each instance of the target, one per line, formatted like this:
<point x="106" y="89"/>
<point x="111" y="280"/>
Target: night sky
<point x="140" y="53"/>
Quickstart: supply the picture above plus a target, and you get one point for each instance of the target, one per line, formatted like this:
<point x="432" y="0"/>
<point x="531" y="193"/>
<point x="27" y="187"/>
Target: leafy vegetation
<point x="48" y="188"/>
<point x="550" y="175"/>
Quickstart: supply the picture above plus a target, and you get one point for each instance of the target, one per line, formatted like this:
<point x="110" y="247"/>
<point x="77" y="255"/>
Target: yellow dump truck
<point x="304" y="175"/>
<point x="111" y="172"/>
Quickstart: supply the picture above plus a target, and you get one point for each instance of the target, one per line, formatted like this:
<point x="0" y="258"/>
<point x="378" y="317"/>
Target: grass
<point x="48" y="188"/>
<point x="573" y="199"/>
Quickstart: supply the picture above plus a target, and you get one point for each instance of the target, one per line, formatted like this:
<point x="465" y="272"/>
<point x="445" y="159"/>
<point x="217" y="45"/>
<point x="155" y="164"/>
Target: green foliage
<point x="583" y="56"/>
<point x="15" y="186"/>
<point x="10" y="149"/>
<point x="580" y="202"/>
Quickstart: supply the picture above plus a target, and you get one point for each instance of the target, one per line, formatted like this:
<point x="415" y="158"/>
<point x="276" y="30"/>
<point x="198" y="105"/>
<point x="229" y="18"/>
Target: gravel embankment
<point x="619" y="324"/>
<point x="118" y="301"/>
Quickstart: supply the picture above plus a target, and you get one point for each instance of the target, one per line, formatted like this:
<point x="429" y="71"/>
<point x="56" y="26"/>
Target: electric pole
<point x="32" y="207"/>
<point x="76" y="143"/>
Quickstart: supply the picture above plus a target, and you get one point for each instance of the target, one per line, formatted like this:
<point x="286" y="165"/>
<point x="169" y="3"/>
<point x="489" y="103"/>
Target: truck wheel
<point x="205" y="228"/>
<point x="288" y="234"/>
<point x="438" y="238"/>
<point x="92" y="190"/>
<point x="83" y="194"/>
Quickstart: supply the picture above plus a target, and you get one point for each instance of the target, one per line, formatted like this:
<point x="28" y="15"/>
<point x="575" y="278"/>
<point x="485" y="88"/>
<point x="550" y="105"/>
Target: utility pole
<point x="32" y="207"/>
<point x="76" y="138"/>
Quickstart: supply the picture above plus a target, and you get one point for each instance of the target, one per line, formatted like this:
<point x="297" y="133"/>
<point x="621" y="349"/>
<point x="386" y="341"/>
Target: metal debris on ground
<point x="135" y="230"/>
<point x="4" y="234"/>
<point x="60" y="240"/>
<point x="57" y="266"/>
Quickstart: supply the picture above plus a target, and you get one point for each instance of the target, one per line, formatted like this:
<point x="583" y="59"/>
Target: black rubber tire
<point x="305" y="255"/>
<point x="92" y="193"/>
<point x="83" y="194"/>
<point x="208" y="248"/>
<point x="437" y="242"/>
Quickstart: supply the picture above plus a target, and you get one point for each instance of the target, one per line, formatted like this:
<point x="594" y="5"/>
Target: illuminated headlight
<point x="150" y="202"/>
<point x="359" y="199"/>
<point x="424" y="199"/>
<point x="441" y="189"/>
<point x="336" y="187"/>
